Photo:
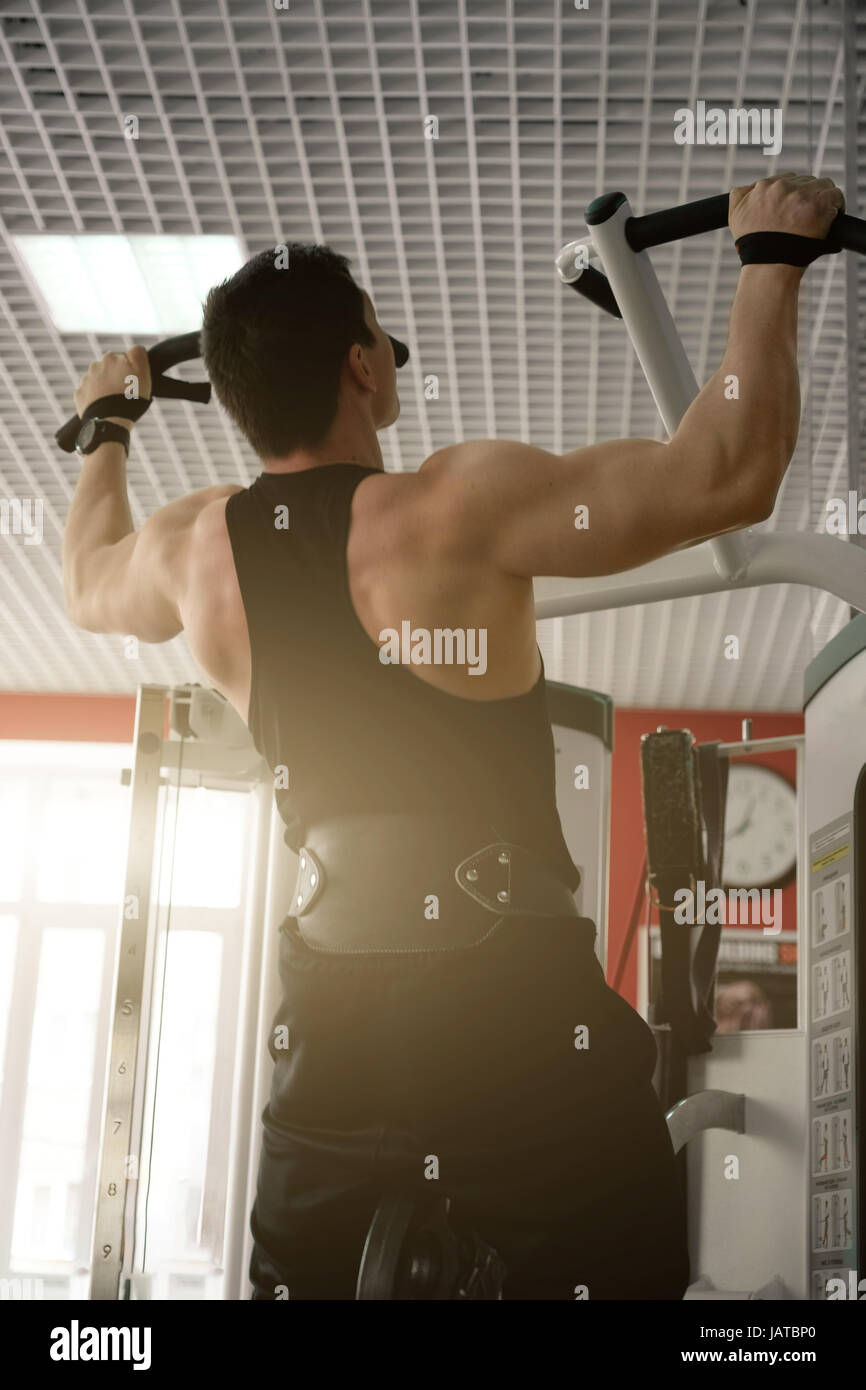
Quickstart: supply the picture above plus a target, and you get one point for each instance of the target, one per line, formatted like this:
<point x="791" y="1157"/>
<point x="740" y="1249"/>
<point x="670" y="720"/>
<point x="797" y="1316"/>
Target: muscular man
<point x="481" y="1057"/>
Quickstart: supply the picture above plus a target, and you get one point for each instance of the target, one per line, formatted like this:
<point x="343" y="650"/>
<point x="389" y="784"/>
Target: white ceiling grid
<point x="308" y="124"/>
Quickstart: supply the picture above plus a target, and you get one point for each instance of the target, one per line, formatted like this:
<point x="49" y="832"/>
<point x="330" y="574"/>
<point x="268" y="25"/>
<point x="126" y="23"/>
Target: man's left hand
<point x="116" y="374"/>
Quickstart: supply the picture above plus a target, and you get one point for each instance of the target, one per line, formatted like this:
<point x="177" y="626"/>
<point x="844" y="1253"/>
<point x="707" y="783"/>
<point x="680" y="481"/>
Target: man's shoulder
<point x="180" y="520"/>
<point x="416" y="513"/>
<point x="420" y="484"/>
<point x="457" y="457"/>
<point x="208" y="504"/>
<point x="193" y="504"/>
<point x="455" y="482"/>
<point x="198" y="519"/>
<point x="393" y="499"/>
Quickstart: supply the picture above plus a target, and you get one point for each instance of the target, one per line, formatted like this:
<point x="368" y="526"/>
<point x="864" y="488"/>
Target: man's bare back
<point x="395" y="572"/>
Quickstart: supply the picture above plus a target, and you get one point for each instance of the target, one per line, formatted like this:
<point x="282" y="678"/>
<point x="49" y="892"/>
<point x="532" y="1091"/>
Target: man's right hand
<point x="795" y="203"/>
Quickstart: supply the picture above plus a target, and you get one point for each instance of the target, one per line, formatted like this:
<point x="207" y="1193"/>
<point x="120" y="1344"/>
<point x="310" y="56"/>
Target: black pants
<point x="459" y="1073"/>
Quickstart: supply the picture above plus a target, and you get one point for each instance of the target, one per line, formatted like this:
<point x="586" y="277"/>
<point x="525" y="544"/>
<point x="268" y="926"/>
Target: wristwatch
<point x="95" y="432"/>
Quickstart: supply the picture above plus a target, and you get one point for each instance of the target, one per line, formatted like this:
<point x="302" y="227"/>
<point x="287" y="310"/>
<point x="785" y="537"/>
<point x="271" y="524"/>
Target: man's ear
<point x="361" y="368"/>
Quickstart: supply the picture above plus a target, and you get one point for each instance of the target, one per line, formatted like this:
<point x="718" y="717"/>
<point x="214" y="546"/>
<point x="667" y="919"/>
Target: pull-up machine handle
<point x="185" y="348"/>
<point x="708" y="215"/>
<point x="674" y="224"/>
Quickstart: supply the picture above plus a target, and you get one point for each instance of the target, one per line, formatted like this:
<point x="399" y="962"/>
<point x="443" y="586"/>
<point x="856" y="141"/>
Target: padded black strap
<point x="119" y="406"/>
<point x="676" y="1005"/>
<point x="684" y="786"/>
<point x="714" y="795"/>
<point x="782" y="248"/>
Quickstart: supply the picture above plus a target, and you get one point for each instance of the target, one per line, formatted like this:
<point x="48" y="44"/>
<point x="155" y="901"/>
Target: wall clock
<point x="760" y="828"/>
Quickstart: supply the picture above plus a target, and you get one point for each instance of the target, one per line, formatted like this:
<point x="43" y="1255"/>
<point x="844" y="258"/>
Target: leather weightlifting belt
<point x="399" y="882"/>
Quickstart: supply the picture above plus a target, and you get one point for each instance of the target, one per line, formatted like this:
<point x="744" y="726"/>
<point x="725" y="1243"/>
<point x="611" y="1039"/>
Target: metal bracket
<point x="705" y="1110"/>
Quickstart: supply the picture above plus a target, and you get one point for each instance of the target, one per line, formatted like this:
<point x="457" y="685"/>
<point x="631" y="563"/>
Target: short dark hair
<point x="274" y="338"/>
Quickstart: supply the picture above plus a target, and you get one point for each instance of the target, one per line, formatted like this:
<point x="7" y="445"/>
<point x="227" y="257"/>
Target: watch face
<point x="85" y="436"/>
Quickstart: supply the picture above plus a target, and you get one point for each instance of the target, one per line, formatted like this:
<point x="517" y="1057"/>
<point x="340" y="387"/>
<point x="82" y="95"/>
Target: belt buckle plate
<point x="310" y="882"/>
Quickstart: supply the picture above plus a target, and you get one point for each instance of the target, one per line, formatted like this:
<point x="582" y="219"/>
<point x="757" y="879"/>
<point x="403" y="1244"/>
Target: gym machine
<point x="791" y="1226"/>
<point x="835" y="961"/>
<point x="765" y="1087"/>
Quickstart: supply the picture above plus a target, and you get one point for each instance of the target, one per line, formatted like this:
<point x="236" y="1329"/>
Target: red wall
<point x="70" y="718"/>
<point x="111" y="719"/>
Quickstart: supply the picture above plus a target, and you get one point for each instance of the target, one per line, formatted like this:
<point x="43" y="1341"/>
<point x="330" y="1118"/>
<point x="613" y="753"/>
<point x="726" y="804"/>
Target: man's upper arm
<point x="137" y="585"/>
<point x="602" y="509"/>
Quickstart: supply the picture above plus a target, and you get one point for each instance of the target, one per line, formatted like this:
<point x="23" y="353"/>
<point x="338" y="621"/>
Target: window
<point x="63" y="814"/>
<point x="64" y="822"/>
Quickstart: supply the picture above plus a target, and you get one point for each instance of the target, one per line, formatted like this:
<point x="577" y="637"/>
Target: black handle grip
<point x="170" y="351"/>
<point x="596" y="288"/>
<point x="184" y="348"/>
<point x="709" y="214"/>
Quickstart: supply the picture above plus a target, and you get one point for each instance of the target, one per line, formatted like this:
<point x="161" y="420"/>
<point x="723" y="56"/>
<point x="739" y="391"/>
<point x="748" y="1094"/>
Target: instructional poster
<point x="832" y="1049"/>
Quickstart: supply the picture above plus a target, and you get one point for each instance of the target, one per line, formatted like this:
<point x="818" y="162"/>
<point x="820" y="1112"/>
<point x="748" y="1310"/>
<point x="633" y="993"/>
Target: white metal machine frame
<point x="741" y="559"/>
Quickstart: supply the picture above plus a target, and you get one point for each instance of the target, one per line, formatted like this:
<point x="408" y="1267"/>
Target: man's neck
<point x="342" y="445"/>
<point x="301" y="462"/>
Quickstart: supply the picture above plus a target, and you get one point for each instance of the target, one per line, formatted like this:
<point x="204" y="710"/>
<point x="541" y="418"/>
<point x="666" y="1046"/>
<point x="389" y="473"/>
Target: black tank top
<point x="351" y="732"/>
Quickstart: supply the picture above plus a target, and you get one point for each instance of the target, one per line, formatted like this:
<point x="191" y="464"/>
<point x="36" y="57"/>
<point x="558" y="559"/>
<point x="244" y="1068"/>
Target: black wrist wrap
<point x="118" y="406"/>
<point x="781" y="248"/>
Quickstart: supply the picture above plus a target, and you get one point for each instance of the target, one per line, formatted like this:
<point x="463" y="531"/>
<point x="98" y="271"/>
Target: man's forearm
<point x="98" y="515"/>
<point x="746" y="418"/>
